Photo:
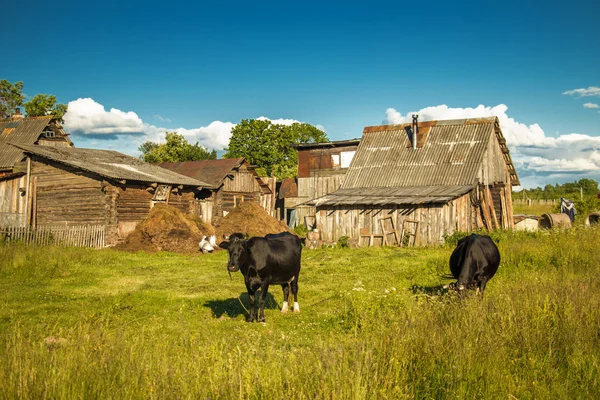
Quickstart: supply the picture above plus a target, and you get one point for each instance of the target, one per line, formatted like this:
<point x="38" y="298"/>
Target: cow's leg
<point x="481" y="284"/>
<point x="294" y="285"/>
<point x="251" y="300"/>
<point x="261" y="301"/>
<point x="286" y="295"/>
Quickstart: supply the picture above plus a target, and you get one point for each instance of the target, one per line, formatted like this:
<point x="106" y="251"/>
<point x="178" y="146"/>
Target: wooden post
<point x="27" y="192"/>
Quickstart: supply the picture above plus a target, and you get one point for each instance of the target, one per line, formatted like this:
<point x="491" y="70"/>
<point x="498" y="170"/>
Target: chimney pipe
<point x="415" y="130"/>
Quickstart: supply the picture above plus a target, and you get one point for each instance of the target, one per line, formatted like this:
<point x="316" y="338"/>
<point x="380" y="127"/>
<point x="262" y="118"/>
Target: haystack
<point x="167" y="229"/>
<point x="250" y="218"/>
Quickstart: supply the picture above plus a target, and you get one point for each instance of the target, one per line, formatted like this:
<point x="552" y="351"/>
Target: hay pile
<point x="167" y="229"/>
<point x="250" y="218"/>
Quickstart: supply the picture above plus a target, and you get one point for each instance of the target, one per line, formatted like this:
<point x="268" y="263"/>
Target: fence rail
<point x="538" y="202"/>
<point x="81" y="236"/>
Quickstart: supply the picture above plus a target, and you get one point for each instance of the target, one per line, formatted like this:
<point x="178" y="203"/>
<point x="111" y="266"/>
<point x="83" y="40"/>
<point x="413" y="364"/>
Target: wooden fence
<point x="82" y="236"/>
<point x="533" y="202"/>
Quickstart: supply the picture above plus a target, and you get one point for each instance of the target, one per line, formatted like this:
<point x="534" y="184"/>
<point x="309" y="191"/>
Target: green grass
<point x="374" y="323"/>
<point x="534" y="209"/>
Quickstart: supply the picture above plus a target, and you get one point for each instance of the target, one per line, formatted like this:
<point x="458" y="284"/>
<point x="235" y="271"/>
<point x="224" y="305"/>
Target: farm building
<point x="418" y="182"/>
<point x="321" y="170"/>
<point x="232" y="180"/>
<point x="42" y="131"/>
<point x="65" y="186"/>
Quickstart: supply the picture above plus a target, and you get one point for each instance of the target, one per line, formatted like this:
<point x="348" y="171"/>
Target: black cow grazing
<point x="270" y="260"/>
<point x="474" y="262"/>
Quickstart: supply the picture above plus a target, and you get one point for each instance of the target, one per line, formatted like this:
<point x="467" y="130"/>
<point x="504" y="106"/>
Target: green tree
<point x="269" y="146"/>
<point x="11" y="97"/>
<point x="175" y="149"/>
<point x="45" y="104"/>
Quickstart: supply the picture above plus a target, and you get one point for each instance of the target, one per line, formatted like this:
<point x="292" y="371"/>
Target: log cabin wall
<point x="133" y="204"/>
<point x="66" y="196"/>
<point x="185" y="202"/>
<point x="435" y="221"/>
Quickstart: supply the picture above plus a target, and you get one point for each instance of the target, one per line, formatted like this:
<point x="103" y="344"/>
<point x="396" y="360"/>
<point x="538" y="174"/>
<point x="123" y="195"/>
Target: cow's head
<point x="236" y="246"/>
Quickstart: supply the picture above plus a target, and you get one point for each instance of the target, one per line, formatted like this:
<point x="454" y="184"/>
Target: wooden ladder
<point x="408" y="232"/>
<point x="386" y="231"/>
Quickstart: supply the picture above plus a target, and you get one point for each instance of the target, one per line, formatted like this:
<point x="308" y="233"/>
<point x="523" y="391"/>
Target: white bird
<point x="208" y="245"/>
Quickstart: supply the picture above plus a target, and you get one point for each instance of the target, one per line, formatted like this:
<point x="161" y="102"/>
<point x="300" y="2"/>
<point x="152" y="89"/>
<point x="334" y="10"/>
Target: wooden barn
<point x="67" y="186"/>
<point x="42" y="131"/>
<point x="233" y="181"/>
<point x="321" y="170"/>
<point x="415" y="183"/>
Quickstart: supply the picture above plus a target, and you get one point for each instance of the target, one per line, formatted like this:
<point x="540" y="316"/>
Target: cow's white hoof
<point x="285" y="307"/>
<point x="296" y="307"/>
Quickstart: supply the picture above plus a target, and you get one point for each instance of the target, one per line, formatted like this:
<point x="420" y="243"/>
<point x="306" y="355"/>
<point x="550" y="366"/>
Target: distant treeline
<point x="578" y="190"/>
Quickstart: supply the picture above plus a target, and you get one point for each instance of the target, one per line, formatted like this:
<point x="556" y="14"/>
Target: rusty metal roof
<point x="398" y="195"/>
<point x="449" y="153"/>
<point x="112" y="164"/>
<point x="210" y="171"/>
<point x="25" y="131"/>
<point x="288" y="188"/>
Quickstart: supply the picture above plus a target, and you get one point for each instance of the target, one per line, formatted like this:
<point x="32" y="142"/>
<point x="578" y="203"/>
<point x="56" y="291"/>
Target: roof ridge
<point x="429" y="123"/>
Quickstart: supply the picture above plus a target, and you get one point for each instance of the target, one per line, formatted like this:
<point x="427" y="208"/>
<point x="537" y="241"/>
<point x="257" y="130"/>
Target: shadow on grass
<point x="437" y="290"/>
<point x="232" y="307"/>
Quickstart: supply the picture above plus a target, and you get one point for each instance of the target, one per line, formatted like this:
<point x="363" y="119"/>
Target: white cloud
<point x="160" y="118"/>
<point x="557" y="159"/>
<point x="89" y="117"/>
<point x="591" y="105"/>
<point x="591" y="91"/>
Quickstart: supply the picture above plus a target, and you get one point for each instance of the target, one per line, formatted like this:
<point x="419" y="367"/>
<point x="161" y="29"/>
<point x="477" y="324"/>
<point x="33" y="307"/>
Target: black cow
<point x="474" y="262"/>
<point x="270" y="260"/>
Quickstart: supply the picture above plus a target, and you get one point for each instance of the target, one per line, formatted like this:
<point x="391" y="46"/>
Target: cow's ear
<point x="224" y="245"/>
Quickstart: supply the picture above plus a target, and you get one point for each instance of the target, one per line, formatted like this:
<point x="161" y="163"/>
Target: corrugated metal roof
<point x="25" y="131"/>
<point x="210" y="171"/>
<point x="112" y="164"/>
<point x="451" y="155"/>
<point x="399" y="195"/>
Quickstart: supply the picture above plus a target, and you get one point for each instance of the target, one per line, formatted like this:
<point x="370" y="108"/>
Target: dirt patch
<point x="167" y="229"/>
<point x="250" y="218"/>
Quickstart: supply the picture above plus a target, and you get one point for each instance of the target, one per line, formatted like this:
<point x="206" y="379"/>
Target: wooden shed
<point x="76" y="187"/>
<point x="41" y="131"/>
<point x="416" y="183"/>
<point x="232" y="180"/>
<point x="321" y="170"/>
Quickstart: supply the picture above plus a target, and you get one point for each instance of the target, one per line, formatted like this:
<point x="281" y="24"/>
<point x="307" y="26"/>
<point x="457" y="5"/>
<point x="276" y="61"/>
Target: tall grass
<point x="375" y="323"/>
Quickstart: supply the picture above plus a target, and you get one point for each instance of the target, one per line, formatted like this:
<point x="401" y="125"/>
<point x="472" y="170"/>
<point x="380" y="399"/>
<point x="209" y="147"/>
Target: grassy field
<point x="533" y="209"/>
<point x="374" y="324"/>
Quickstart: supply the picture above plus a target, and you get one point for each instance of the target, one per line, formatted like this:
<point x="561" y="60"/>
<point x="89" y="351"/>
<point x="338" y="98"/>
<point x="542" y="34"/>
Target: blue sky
<point x="129" y="71"/>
